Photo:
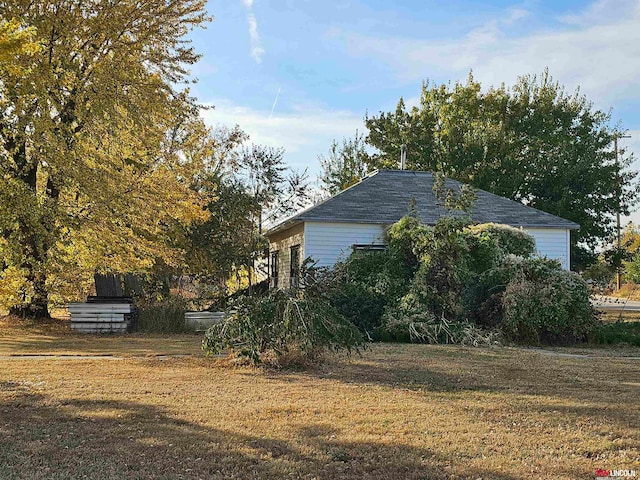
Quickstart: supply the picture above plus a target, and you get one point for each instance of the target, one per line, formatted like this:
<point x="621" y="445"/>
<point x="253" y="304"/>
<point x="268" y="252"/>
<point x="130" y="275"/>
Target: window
<point x="274" y="269"/>
<point x="294" y="271"/>
<point x="371" y="247"/>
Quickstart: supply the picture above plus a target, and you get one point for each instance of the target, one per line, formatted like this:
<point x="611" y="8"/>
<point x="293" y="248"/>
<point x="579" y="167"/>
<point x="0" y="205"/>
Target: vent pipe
<point x="403" y="156"/>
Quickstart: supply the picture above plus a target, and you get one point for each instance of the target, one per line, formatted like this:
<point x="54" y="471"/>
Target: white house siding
<point x="552" y="243"/>
<point x="328" y="242"/>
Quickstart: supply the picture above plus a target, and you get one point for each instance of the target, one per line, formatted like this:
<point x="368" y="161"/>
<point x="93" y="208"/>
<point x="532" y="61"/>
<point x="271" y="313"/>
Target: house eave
<point x="287" y="224"/>
<point x="295" y="221"/>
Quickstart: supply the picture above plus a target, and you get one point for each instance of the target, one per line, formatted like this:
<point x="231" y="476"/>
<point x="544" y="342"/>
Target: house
<point x="357" y="217"/>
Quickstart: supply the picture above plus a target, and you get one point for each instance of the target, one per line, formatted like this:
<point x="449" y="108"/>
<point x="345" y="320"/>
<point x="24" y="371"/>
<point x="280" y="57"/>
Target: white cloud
<point x="256" y="45"/>
<point x="601" y="11"/>
<point x="602" y="57"/>
<point x="491" y="31"/>
<point x="515" y="14"/>
<point x="304" y="133"/>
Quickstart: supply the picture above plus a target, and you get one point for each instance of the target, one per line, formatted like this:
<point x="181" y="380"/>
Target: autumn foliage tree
<point x="95" y="121"/>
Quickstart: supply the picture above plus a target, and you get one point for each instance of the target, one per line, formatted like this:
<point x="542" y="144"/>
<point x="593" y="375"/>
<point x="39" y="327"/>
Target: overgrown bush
<point x="544" y="304"/>
<point x="360" y="305"/>
<point x="408" y="238"/>
<point x="512" y="241"/>
<point x="470" y="277"/>
<point x="456" y="283"/>
<point x="360" y="287"/>
<point x="483" y="295"/>
<point x="444" y="266"/>
<point x="444" y="270"/>
<point x="482" y="252"/>
<point x="441" y="271"/>
<point x="492" y="250"/>
<point x="164" y="315"/>
<point x="457" y="274"/>
<point x="282" y="322"/>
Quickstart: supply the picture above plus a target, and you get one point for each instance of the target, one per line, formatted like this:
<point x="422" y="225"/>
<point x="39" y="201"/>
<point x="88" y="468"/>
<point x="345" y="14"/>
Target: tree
<point x="345" y="165"/>
<point x="224" y="241"/>
<point x="626" y="256"/>
<point x="532" y="143"/>
<point x="93" y="128"/>
<point x="262" y="171"/>
<point x="630" y="238"/>
<point x="16" y="42"/>
<point x="247" y="186"/>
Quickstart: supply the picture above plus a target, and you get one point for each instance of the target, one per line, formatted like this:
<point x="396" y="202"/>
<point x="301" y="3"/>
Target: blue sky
<point x="299" y="73"/>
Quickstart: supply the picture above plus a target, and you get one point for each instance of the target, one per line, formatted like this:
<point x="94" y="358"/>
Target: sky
<point x="299" y="73"/>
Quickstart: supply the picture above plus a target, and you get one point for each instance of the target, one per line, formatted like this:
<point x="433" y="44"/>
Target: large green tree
<point x="345" y="164"/>
<point x="533" y="143"/>
<point x="94" y="125"/>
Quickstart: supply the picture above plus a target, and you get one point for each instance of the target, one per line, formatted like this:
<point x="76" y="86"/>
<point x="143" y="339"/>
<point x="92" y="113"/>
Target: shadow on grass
<point x="605" y="388"/>
<point x="454" y="368"/>
<point x="45" y="439"/>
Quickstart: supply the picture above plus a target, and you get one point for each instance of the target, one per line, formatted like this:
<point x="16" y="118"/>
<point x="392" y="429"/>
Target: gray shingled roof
<point x="384" y="196"/>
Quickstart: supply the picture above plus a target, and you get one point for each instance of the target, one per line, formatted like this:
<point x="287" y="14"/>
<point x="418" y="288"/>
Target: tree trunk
<point x="38" y="306"/>
<point x="35" y="250"/>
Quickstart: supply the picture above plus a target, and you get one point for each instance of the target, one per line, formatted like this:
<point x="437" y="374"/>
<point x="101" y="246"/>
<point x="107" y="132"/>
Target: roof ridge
<point x="379" y="197"/>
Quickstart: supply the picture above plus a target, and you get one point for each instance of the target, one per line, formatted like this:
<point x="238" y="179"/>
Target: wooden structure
<point x="357" y="218"/>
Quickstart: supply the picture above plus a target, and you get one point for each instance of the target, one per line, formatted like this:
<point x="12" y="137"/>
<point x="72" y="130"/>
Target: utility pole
<point x="619" y="195"/>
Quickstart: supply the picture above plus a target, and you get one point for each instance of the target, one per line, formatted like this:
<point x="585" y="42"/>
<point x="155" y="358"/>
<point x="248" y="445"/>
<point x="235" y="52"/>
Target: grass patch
<point x="629" y="291"/>
<point x="55" y="337"/>
<point x="399" y="411"/>
<point x="618" y="333"/>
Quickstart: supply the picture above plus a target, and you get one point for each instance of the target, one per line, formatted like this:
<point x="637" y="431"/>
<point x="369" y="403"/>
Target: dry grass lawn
<point x="56" y="338"/>
<point x="397" y="412"/>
